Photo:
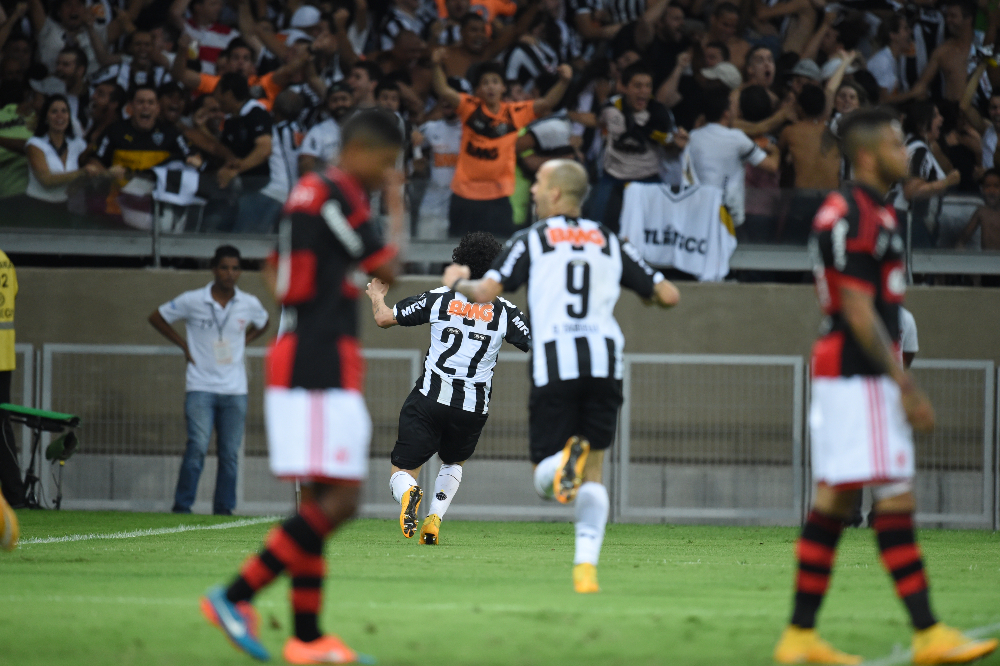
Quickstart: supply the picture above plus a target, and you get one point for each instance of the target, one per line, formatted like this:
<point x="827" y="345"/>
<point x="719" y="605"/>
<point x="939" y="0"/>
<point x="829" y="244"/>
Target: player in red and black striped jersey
<point x="865" y="405"/>
<point x="317" y="424"/>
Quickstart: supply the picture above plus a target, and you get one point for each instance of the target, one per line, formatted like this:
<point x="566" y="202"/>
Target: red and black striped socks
<point x="901" y="556"/>
<point x="816" y="550"/>
<point x="295" y="545"/>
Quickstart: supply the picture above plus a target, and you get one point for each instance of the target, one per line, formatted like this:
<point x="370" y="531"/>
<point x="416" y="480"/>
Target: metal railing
<point x="707" y="438"/>
<point x="956" y="466"/>
<point x="711" y="437"/>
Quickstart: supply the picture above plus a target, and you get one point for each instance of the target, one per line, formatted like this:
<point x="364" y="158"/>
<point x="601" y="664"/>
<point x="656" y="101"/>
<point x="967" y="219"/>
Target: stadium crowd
<point x="227" y="102"/>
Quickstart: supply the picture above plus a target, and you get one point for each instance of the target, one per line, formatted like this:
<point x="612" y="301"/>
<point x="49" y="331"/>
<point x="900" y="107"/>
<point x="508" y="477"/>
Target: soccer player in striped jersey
<point x="447" y="409"/>
<point x="574" y="269"/>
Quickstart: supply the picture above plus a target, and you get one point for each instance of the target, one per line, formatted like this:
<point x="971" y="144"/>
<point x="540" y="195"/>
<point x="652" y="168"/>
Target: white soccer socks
<point x="399" y="483"/>
<point x="591" y="511"/>
<point x="545" y="474"/>
<point x="448" y="479"/>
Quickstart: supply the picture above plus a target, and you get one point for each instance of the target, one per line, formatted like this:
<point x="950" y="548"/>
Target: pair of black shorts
<point x="427" y="427"/>
<point x="493" y="215"/>
<point x="586" y="407"/>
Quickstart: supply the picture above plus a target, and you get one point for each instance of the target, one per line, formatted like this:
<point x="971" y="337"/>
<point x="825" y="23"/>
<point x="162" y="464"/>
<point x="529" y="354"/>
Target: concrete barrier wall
<point x="110" y="306"/>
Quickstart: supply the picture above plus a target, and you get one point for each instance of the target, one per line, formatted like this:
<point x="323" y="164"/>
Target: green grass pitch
<point x="492" y="593"/>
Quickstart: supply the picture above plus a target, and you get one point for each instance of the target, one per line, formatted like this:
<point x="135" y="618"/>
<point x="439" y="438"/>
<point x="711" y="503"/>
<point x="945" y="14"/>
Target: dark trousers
<point x="493" y="215"/>
<point x="10" y="471"/>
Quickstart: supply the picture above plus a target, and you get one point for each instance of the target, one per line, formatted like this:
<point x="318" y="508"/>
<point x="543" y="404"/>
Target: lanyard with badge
<point x="223" y="350"/>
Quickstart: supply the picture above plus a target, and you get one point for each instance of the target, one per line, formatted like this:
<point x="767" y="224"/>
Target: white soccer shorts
<point x="317" y="434"/>
<point x="860" y="435"/>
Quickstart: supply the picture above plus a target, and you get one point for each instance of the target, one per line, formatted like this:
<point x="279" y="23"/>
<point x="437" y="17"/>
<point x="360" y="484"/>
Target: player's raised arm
<point x="384" y="316"/>
<point x="480" y="291"/>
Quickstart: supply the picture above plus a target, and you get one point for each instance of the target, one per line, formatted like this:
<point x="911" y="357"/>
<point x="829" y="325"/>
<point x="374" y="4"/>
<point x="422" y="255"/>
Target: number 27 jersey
<point x="465" y="341"/>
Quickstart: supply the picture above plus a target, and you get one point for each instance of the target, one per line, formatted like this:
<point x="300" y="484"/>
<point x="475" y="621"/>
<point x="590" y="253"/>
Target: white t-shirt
<point x="907" y="332"/>
<point x="989" y="146"/>
<point x="53" y="37"/>
<point x="323" y="141"/>
<point x="74" y="148"/>
<point x="218" y="354"/>
<point x="443" y="139"/>
<point x="718" y="155"/>
<point x="888" y="71"/>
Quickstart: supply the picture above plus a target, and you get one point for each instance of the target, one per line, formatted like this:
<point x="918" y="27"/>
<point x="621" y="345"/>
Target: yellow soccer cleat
<point x="10" y="530"/>
<point x="429" y="530"/>
<point x="941" y="644"/>
<point x="569" y="474"/>
<point x="804" y="646"/>
<point x="585" y="579"/>
<point x="408" y="511"/>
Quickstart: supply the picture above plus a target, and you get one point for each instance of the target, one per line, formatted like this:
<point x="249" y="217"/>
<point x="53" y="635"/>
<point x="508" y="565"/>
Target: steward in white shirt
<point x="220" y="321"/>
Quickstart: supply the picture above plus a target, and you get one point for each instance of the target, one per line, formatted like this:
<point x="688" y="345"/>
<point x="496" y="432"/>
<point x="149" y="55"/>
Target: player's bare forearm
<point x="168" y="331"/>
<point x="478" y="291"/>
<point x="859" y="312"/>
<point x="666" y="294"/>
<point x="376" y="291"/>
<point x="253" y="332"/>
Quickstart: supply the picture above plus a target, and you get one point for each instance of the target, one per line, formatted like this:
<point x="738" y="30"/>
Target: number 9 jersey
<point x="575" y="269"/>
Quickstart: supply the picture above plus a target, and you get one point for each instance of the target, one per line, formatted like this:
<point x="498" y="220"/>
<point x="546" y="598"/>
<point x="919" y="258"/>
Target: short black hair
<point x="118" y="94"/>
<point x="725" y="8"/>
<point x="477" y="250"/>
<point x="373" y="70"/>
<point x="469" y="17"/>
<point x="374" y="128"/>
<point x="867" y="81"/>
<point x="222" y="252"/>
<point x="135" y="91"/>
<point x="634" y="70"/>
<point x="722" y="47"/>
<point x="385" y="85"/>
<point x="236" y="43"/>
<point x="755" y="104"/>
<point x="80" y="54"/>
<point x="852" y="30"/>
<point x="169" y="88"/>
<point x="477" y="72"/>
<point x="989" y="172"/>
<point x="812" y="99"/>
<point x="234" y="83"/>
<point x="890" y="26"/>
<point x="967" y="6"/>
<point x="715" y="104"/>
<point x="918" y="117"/>
<point x="858" y="128"/>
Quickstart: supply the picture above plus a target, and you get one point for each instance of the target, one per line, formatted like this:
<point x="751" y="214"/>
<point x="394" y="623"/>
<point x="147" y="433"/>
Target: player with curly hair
<point x="447" y="409"/>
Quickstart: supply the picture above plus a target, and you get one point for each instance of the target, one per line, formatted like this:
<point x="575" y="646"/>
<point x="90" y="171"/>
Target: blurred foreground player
<point x="446" y="411"/>
<point x="11" y="487"/>
<point x="864" y="402"/>
<point x="318" y="427"/>
<point x="574" y="269"/>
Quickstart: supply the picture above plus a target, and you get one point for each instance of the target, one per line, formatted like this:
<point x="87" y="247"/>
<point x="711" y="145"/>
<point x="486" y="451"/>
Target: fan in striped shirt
<point x="447" y="409"/>
<point x="574" y="270"/>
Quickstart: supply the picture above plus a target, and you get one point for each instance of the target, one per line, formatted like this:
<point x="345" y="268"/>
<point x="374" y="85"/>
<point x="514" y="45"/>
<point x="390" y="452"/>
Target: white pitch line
<point x="901" y="656"/>
<point x="245" y="522"/>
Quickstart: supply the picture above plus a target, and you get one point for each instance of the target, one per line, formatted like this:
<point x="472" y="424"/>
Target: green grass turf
<point x="493" y="593"/>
